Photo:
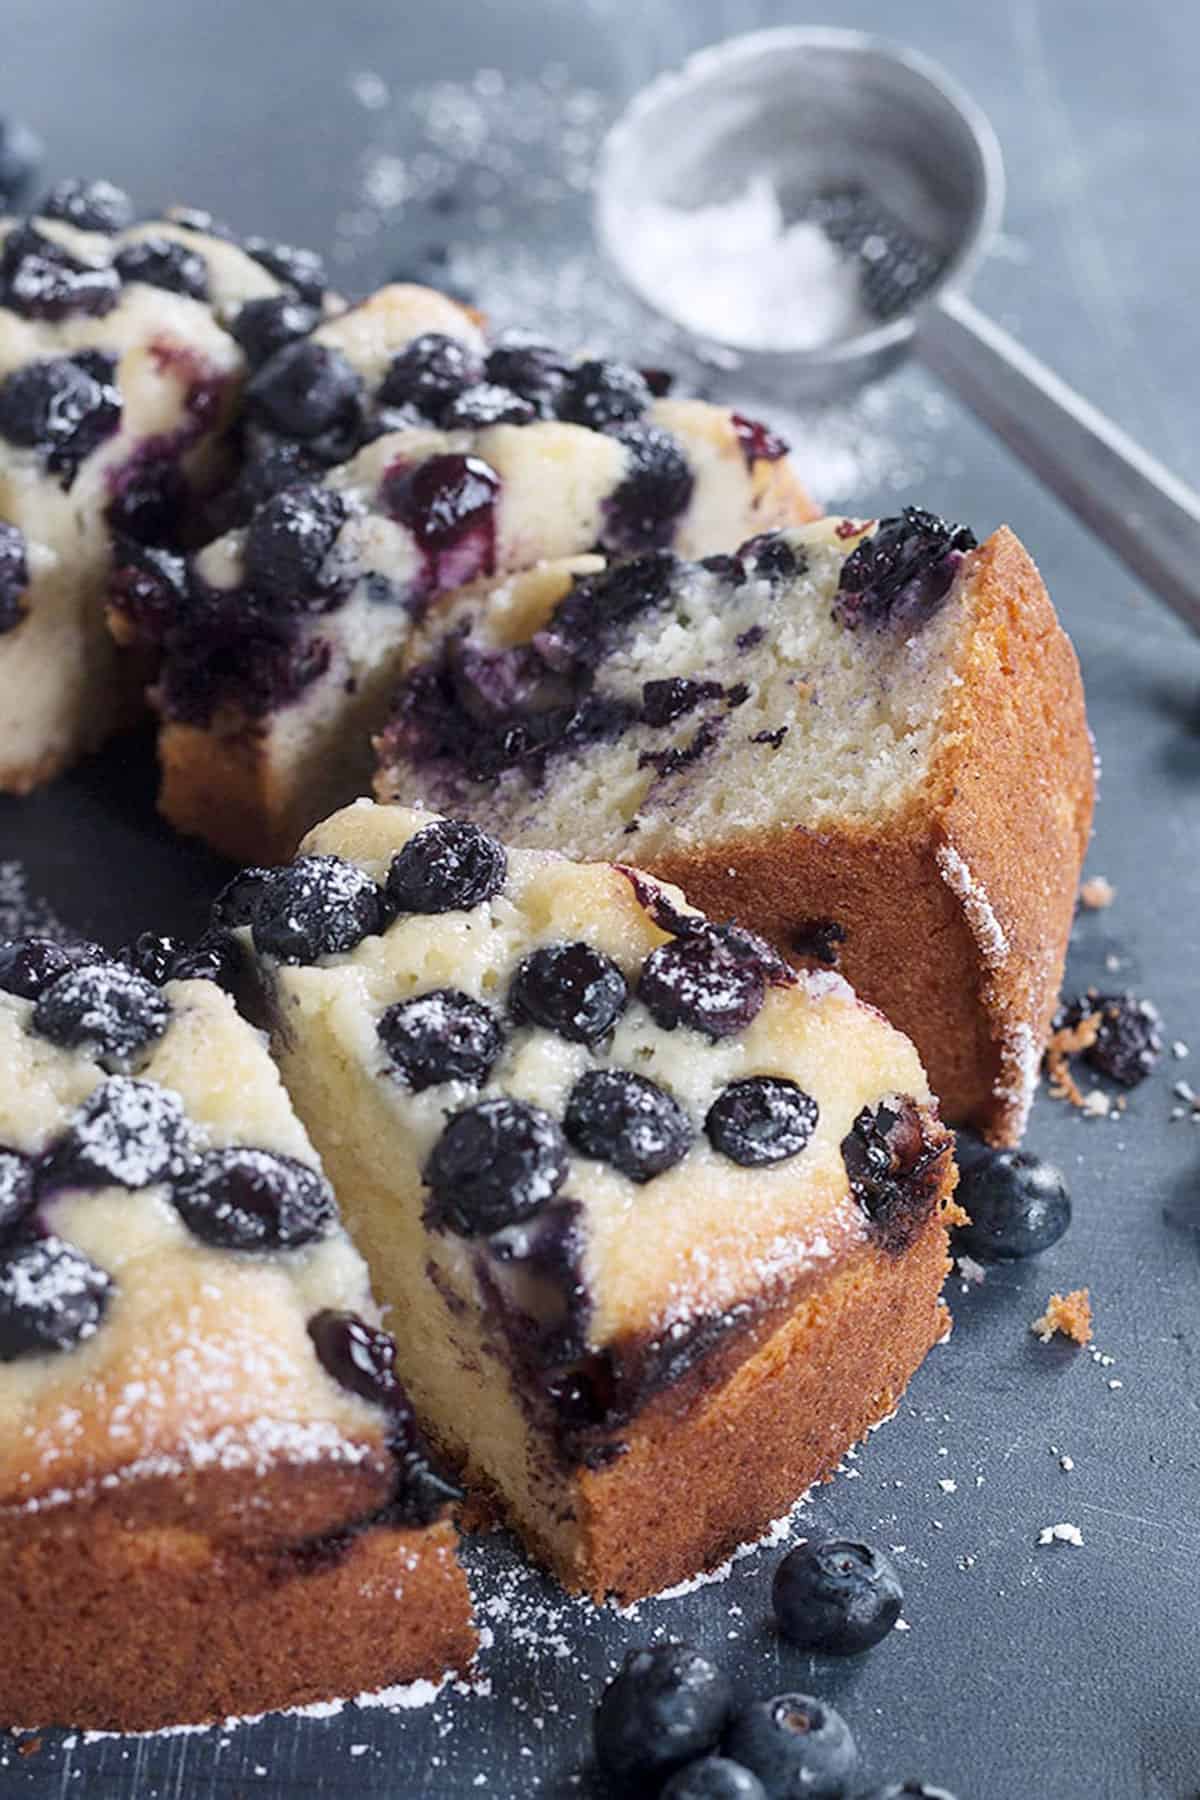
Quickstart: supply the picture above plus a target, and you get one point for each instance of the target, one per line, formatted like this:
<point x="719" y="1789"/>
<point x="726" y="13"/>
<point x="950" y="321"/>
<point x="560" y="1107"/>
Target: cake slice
<point x="661" y="1222"/>
<point x="865" y="740"/>
<point x="213" y="1499"/>
<point x="390" y="458"/>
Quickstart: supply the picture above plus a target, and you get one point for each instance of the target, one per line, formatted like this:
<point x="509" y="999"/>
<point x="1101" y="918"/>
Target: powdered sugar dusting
<point x="22" y="913"/>
<point x="981" y="916"/>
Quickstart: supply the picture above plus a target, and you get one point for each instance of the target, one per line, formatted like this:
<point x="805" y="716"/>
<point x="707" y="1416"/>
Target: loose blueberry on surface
<point x="763" y="1119"/>
<point x="163" y="262"/>
<point x="16" y="1188"/>
<point x="893" y="1175"/>
<point x="444" y="1035"/>
<point x="266" y="325"/>
<point x="907" y="1790"/>
<point x="237" y="902"/>
<point x="641" y="513"/>
<point x="39" y="279"/>
<point x="530" y="368"/>
<point x="799" y="1748"/>
<point x="836" y="1596"/>
<point x="495" y="1163"/>
<point x="1128" y="1039"/>
<point x="317" y="906"/>
<point x="628" y="1121"/>
<point x="14" y="576"/>
<point x="903" y="571"/>
<point x="103" y="1009"/>
<point x="487" y="404"/>
<point x="242" y="1199"/>
<point x="61" y="407"/>
<point x="51" y="1297"/>
<point x="668" y="1705"/>
<point x="360" y="1357"/>
<point x="289" y="546"/>
<point x="447" y="866"/>
<point x="704" y="981"/>
<point x="600" y="394"/>
<point x="21" y="156"/>
<point x="572" y="989"/>
<point x="714" y="1778"/>
<point x="429" y="373"/>
<point x="127" y="1133"/>
<point x="305" y="389"/>
<point x="28" y="965"/>
<point x="302" y="270"/>
<point x="91" y="205"/>
<point x="1019" y="1205"/>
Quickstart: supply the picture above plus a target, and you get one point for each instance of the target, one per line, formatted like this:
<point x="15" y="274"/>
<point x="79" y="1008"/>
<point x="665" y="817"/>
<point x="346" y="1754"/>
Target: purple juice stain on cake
<point x="14" y="576"/>
<point x="52" y="1297"/>
<point x="643" y="510"/>
<point x="530" y="1274"/>
<point x="757" y="442"/>
<point x="448" y="503"/>
<point x="41" y="280"/>
<point x="903" y="572"/>
<point x="62" y="407"/>
<point x="894" y="1162"/>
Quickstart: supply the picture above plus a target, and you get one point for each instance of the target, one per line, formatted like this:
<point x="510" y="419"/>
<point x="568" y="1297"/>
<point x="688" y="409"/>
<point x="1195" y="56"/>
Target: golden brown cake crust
<point x="1009" y="800"/>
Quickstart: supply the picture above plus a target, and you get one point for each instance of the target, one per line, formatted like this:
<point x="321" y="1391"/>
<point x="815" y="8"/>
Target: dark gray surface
<point x="1065" y="1671"/>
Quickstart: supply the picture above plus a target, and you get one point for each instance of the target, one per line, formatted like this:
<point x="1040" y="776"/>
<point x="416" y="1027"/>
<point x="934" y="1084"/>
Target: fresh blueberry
<point x="903" y="571"/>
<point x="28" y="965"/>
<point x="714" y="1778"/>
<point x="242" y="1199"/>
<point x="16" y="1188"/>
<point x="757" y="441"/>
<point x="1018" y="1204"/>
<point x="1128" y="1039"/>
<point x="289" y="546"/>
<point x="495" y="1164"/>
<point x="360" y="1357"/>
<point x="762" y="1119"/>
<point x="799" y="1748"/>
<point x="642" y="511"/>
<point x="441" y="1036"/>
<point x="317" y="906"/>
<point x="61" y="408"/>
<point x="892" y="1174"/>
<point x="600" y="394"/>
<point x="51" y="1297"/>
<point x="163" y="262"/>
<point x="14" y="576"/>
<point x="149" y="586"/>
<point x="237" y="902"/>
<point x="447" y="866"/>
<point x="628" y="1121"/>
<point x="301" y="270"/>
<point x="21" y="156"/>
<point x="907" y="1790"/>
<point x="90" y="205"/>
<point x="486" y="404"/>
<point x="429" y="373"/>
<point x="668" y="1705"/>
<point x="264" y="326"/>
<point x="103" y="1009"/>
<point x="524" y="365"/>
<point x="127" y="1133"/>
<point x="39" y="279"/>
<point x="702" y="980"/>
<point x="836" y="1596"/>
<point x="304" y="390"/>
<point x="572" y="989"/>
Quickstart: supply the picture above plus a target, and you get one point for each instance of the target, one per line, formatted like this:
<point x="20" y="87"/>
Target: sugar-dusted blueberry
<point x="14" y="576"/>
<point x="714" y="1778"/>
<point x="641" y="512"/>
<point x="627" y="1120"/>
<point x="90" y="205"/>
<point x="570" y="988"/>
<point x="893" y="1173"/>
<point x="52" y="1297"/>
<point x="1018" y="1204"/>
<point x="237" y="902"/>
<point x="198" y="218"/>
<point x="317" y="906"/>
<point x="495" y="1164"/>
<point x="103" y="1009"/>
<point x="39" y="279"/>
<point x="302" y="270"/>
<point x="487" y="404"/>
<point x="760" y="1120"/>
<point x="667" y="1705"/>
<point x="164" y="262"/>
<point x="903" y="571"/>
<point x="674" y="696"/>
<point x="443" y="1035"/>
<point x="21" y="154"/>
<point x="360" y="1357"/>
<point x="28" y="965"/>
<point x="16" y="1188"/>
<point x="429" y="373"/>
<point x="62" y="408"/>
<point x="449" y="865"/>
<point x="525" y="365"/>
<point x="268" y="324"/>
<point x="702" y="980"/>
<point x="601" y="394"/>
<point x="305" y="389"/>
<point x="243" y="1199"/>
<point x="289" y="545"/>
<point x="836" y="1596"/>
<point x="127" y="1133"/>
<point x="800" y="1748"/>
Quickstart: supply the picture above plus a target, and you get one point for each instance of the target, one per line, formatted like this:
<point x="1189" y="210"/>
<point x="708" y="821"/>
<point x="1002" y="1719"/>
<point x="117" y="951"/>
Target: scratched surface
<point x="1025" y="1669"/>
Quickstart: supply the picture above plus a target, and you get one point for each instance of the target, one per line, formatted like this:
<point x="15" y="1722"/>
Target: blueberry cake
<point x="117" y="380"/>
<point x="213" y="1497"/>
<point x="390" y="457"/>
<point x="864" y="740"/>
<point x="660" y="1221"/>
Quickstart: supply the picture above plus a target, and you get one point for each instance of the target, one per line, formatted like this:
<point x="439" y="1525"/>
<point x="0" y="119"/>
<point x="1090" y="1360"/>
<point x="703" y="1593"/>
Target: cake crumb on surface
<point x="1067" y="1315"/>
<point x="1061" y="1534"/>
<point x="1096" y="893"/>
<point x="1065" y="1043"/>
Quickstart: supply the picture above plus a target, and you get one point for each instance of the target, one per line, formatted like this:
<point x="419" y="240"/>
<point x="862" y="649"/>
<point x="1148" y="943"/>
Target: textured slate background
<point x="1025" y="1670"/>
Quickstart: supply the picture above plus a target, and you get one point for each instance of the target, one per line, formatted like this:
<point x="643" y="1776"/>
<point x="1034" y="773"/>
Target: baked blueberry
<point x="51" y="1297"/>
<point x="237" y="902"/>
<point x="441" y="1036"/>
<point x="153" y="955"/>
<point x="447" y="866"/>
<point x="21" y="156"/>
<point x="317" y="906"/>
<point x="289" y="545"/>
<point x="1017" y="1203"/>
<point x="763" y="1119"/>
<point x="127" y="1133"/>
<point x="28" y="965"/>
<point x="668" y="1705"/>
<point x="703" y="980"/>
<point x="640" y="513"/>
<point x="242" y="1199"/>
<point x="448" y="503"/>
<point x="836" y="1596"/>
<point x="892" y="1173"/>
<point x="572" y="989"/>
<point x="103" y="1009"/>
<point x="628" y="1121"/>
<point x="495" y="1164"/>
<point x="39" y="279"/>
<point x="62" y="407"/>
<point x="713" y="1778"/>
<point x="359" y="1356"/>
<point x="214" y="956"/>
<point x="907" y="1790"/>
<point x="487" y="404"/>
<point x="302" y="270"/>
<point x="799" y="1748"/>
<point x="266" y="325"/>
<point x="1128" y="1039"/>
<point x="429" y="373"/>
<point x="164" y="262"/>
<point x="772" y="557"/>
<point x="90" y="205"/>
<point x="601" y="394"/>
<point x="903" y="571"/>
<point x="304" y="390"/>
<point x="14" y="576"/>
<point x="198" y="218"/>
<point x="149" y="586"/>
<point x="524" y="365"/>
<point x="16" y="1188"/>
